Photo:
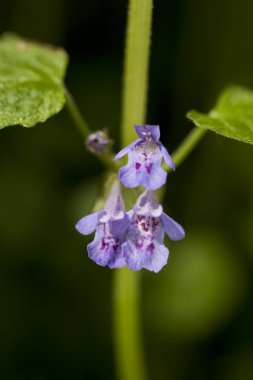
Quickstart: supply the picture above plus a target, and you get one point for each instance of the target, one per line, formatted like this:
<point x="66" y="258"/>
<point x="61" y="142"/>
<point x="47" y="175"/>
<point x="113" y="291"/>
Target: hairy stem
<point x="126" y="298"/>
<point x="136" y="67"/>
<point x="128" y="342"/>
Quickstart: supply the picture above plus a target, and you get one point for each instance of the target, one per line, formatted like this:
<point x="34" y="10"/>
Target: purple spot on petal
<point x="145" y="155"/>
<point x="137" y="165"/>
<point x="144" y="227"/>
<point x="104" y="244"/>
<point x="139" y="243"/>
<point x="149" y="168"/>
<point x="150" y="247"/>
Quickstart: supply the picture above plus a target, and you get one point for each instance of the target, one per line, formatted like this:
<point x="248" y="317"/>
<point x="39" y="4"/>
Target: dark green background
<point x="55" y="318"/>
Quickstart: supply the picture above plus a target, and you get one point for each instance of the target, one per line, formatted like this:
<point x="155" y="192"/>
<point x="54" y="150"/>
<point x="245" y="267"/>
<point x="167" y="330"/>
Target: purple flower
<point x="97" y="142"/>
<point x="111" y="225"/>
<point x="144" y="247"/>
<point x="145" y="156"/>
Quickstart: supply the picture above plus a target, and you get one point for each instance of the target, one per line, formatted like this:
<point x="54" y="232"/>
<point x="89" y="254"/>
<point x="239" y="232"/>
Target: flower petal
<point x="167" y="158"/>
<point x="140" y="172"/>
<point x="145" y="131"/>
<point x="106" y="248"/>
<point x="147" y="205"/>
<point x="156" y="178"/>
<point x="126" y="150"/>
<point x="130" y="214"/>
<point x="119" y="226"/>
<point x="118" y="261"/>
<point x="151" y="256"/>
<point x="88" y="224"/>
<point x="129" y="176"/>
<point x="172" y="228"/>
<point x="114" y="205"/>
<point x="97" y="254"/>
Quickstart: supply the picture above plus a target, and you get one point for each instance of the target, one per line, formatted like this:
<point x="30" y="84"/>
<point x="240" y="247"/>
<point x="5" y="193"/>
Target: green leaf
<point x="231" y="117"/>
<point x="31" y="81"/>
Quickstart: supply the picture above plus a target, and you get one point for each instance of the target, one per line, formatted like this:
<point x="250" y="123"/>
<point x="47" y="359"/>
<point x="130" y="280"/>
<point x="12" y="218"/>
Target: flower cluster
<point x="134" y="238"/>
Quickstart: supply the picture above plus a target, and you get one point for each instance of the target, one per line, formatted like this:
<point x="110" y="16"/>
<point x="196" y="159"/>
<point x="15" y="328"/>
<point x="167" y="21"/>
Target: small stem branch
<point x="106" y="158"/>
<point x="181" y="153"/>
<point x="187" y="145"/>
<point x="76" y="115"/>
<point x="136" y="67"/>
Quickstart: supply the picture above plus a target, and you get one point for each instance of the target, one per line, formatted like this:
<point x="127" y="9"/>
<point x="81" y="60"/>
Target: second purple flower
<point x="144" y="246"/>
<point x="110" y="224"/>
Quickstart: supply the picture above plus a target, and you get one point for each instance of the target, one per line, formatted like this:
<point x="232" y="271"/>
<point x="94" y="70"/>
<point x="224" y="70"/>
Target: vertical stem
<point x="136" y="67"/>
<point x="127" y="327"/>
<point x="128" y="345"/>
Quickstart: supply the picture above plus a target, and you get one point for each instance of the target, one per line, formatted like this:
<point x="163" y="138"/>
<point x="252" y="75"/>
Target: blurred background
<point x="197" y="313"/>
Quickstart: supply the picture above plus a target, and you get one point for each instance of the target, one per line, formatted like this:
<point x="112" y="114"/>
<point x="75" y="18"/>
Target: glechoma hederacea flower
<point x="144" y="246"/>
<point x="111" y="225"/>
<point x="145" y="156"/>
<point x="97" y="142"/>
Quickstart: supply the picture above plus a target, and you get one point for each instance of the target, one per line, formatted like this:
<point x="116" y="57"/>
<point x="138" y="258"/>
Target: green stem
<point x="106" y="158"/>
<point x="129" y="353"/>
<point x="76" y="115"/>
<point x="136" y="67"/>
<point x="127" y="327"/>
<point x="180" y="154"/>
<point x="187" y="145"/>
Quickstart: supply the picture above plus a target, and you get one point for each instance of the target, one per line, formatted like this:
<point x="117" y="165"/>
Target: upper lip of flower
<point x="147" y="205"/>
<point x="148" y="131"/>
